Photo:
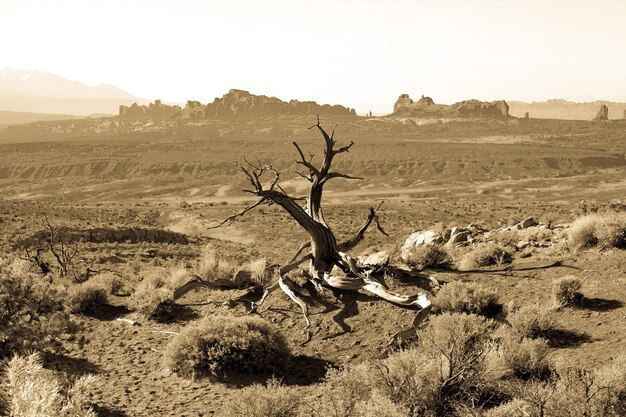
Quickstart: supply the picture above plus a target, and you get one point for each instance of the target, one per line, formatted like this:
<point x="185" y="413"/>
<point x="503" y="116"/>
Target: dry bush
<point x="154" y="295"/>
<point x="486" y="254"/>
<point x="460" y="345"/>
<point x="86" y="298"/>
<point x="584" y="392"/>
<point x="36" y="392"/>
<point x="514" y="408"/>
<point x="410" y="378"/>
<point x="566" y="291"/>
<point x="273" y="400"/>
<point x="605" y="230"/>
<point x="526" y="358"/>
<point x="377" y="405"/>
<point x="220" y="346"/>
<point x="532" y="321"/>
<point x="31" y="309"/>
<point x="112" y="283"/>
<point x="467" y="297"/>
<point x="260" y="273"/>
<point x="423" y="256"/>
<point x="210" y="266"/>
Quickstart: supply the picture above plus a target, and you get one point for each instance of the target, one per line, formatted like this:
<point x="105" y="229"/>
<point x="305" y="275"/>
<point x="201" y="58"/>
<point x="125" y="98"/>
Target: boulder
<point x="422" y="238"/>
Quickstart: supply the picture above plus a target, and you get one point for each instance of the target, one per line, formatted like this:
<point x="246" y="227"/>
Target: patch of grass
<point x="566" y="291"/>
<point x="486" y="254"/>
<point x="35" y="391"/>
<point x="210" y="266"/>
<point x="467" y="297"/>
<point x="221" y="346"/>
<point x="86" y="298"/>
<point x="606" y="230"/>
<point x="423" y="256"/>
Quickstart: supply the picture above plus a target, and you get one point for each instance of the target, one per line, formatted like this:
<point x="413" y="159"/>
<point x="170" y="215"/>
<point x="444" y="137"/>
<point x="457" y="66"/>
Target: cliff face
<point x="234" y="104"/>
<point x="426" y="107"/>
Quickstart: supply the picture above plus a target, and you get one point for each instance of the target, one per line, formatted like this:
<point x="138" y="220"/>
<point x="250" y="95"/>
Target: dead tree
<point x="329" y="264"/>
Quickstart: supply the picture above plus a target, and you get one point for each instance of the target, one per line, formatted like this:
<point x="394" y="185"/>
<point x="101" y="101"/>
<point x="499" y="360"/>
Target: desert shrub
<point x="220" y="346"/>
<point x="605" y="230"/>
<point x="260" y="274"/>
<point x="586" y="392"/>
<point x="112" y="283"/>
<point x="410" y="378"/>
<point x="460" y="345"/>
<point x="154" y="295"/>
<point x="467" y="297"/>
<point x="433" y="255"/>
<point x="532" y="321"/>
<point x="86" y="298"/>
<point x="340" y="392"/>
<point x="513" y="408"/>
<point x="210" y="266"/>
<point x="31" y="309"/>
<point x="486" y="254"/>
<point x="273" y="400"/>
<point x="526" y="358"/>
<point x="376" y="405"/>
<point x="566" y="291"/>
<point x="36" y="392"/>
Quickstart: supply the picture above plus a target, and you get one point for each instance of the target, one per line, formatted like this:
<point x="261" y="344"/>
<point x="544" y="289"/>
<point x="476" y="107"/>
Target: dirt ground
<point x="430" y="176"/>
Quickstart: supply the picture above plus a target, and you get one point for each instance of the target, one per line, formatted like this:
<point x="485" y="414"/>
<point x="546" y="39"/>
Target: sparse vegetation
<point x="273" y="400"/>
<point x="38" y="392"/>
<point x="221" y="346"/>
<point x="606" y="230"/>
<point x="485" y="254"/>
<point x="423" y="256"/>
<point x="31" y="309"/>
<point x="566" y="291"/>
<point x="211" y="267"/>
<point x="154" y="295"/>
<point x="532" y="321"/>
<point x="467" y="297"/>
<point x="86" y="298"/>
<point x="526" y="358"/>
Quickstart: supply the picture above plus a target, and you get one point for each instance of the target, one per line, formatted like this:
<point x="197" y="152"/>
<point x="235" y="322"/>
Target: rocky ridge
<point x="426" y="107"/>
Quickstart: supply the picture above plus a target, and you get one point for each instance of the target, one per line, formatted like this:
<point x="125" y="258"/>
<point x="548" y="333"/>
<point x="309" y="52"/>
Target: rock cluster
<point x="426" y="107"/>
<point x="234" y="104"/>
<point x="155" y="111"/>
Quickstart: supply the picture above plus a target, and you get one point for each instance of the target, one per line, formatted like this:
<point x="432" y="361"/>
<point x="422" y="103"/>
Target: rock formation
<point x="238" y="103"/>
<point x="155" y="111"/>
<point x="603" y="113"/>
<point x="426" y="107"/>
<point x="234" y="104"/>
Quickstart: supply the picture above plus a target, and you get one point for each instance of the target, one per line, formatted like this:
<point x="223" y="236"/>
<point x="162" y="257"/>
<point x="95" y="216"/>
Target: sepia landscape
<point x="253" y="255"/>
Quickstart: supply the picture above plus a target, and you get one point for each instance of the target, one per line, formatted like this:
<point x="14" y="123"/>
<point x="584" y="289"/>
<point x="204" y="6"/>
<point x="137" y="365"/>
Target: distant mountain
<point x="43" y="92"/>
<point x="12" y="118"/>
<point x="563" y="109"/>
<point x="44" y="84"/>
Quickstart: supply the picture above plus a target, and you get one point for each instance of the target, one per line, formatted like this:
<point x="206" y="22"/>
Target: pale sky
<point x="361" y="54"/>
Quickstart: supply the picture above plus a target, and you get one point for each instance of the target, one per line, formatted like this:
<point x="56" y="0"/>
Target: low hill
<point x="15" y="117"/>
